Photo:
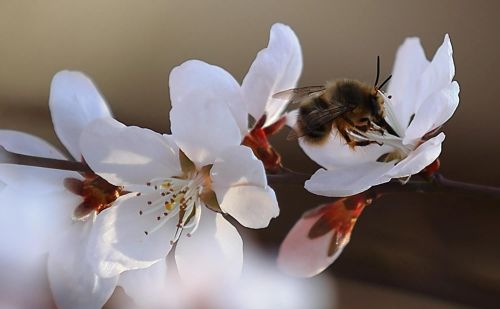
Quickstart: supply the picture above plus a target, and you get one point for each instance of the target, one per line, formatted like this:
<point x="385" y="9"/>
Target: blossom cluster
<point x="139" y="198"/>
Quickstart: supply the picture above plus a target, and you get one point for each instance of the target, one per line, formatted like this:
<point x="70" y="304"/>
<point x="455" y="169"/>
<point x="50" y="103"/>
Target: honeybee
<point x="348" y="105"/>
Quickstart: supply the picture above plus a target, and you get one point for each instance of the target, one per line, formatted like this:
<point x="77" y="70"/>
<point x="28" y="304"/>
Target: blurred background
<point x="411" y="251"/>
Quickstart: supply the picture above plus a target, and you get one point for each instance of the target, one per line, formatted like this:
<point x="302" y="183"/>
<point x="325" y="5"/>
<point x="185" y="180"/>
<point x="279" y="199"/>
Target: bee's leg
<point x="374" y="127"/>
<point x="384" y="125"/>
<point x="362" y="128"/>
<point x="366" y="124"/>
<point x="364" y="143"/>
<point x="347" y="138"/>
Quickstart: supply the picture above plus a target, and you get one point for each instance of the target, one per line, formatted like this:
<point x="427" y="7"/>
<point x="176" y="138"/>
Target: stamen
<point x="174" y="198"/>
<point x="162" y="223"/>
<point x="392" y="119"/>
<point x="196" y="220"/>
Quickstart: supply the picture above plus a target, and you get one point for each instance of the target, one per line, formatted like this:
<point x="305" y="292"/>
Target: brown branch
<point x="22" y="159"/>
<point x="448" y="185"/>
<point x="437" y="183"/>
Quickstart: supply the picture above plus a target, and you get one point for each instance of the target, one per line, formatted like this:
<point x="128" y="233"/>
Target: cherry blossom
<point x="420" y="98"/>
<point x="180" y="185"/>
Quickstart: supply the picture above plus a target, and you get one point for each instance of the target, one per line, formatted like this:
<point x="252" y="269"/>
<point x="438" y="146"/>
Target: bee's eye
<point x="375" y="105"/>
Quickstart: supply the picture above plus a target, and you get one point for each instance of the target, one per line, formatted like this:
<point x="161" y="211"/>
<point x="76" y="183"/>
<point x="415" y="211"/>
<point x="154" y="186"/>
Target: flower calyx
<point x="257" y="140"/>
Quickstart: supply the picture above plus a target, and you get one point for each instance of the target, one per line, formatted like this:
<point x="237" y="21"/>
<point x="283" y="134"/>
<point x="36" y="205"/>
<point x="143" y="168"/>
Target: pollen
<point x="169" y="206"/>
<point x="174" y="198"/>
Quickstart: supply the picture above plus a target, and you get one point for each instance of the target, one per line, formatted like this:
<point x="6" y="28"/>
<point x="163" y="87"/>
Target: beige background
<point x="443" y="246"/>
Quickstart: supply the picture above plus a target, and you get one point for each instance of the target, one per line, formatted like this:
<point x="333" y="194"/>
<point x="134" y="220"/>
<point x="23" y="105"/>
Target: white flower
<point x="276" y="68"/>
<point x="35" y="207"/>
<point x="46" y="210"/>
<point x="173" y="193"/>
<point x="424" y="97"/>
<point x="260" y="286"/>
<point x="318" y="238"/>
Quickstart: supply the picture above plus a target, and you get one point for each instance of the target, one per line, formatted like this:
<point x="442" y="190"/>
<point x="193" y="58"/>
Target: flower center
<point x="172" y="197"/>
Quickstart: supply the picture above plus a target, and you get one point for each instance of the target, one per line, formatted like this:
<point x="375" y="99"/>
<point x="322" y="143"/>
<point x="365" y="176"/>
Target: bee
<point x="348" y="105"/>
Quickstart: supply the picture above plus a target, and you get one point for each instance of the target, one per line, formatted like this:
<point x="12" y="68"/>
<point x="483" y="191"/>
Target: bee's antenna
<point x="378" y="72"/>
<point x="385" y="81"/>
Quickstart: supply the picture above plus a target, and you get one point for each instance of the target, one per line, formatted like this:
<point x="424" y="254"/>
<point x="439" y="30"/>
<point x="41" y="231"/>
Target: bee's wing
<point x="297" y="95"/>
<point x="318" y="118"/>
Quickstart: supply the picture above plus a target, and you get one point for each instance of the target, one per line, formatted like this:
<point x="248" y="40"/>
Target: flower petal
<point x="418" y="159"/>
<point x="409" y="65"/>
<point x="74" y="102"/>
<point x="433" y="113"/>
<point x="73" y="282"/>
<point x="24" y="143"/>
<point x="30" y="221"/>
<point x="239" y="181"/>
<point x="119" y="242"/>
<point x="276" y="68"/>
<point x="145" y="286"/>
<point x="208" y="113"/>
<point x="336" y="153"/>
<point x="348" y="181"/>
<point x="128" y="155"/>
<point x="24" y="283"/>
<point x="439" y="73"/>
<point x="38" y="180"/>
<point x="302" y="256"/>
<point x="216" y="243"/>
<point x="252" y="206"/>
<point x="237" y="165"/>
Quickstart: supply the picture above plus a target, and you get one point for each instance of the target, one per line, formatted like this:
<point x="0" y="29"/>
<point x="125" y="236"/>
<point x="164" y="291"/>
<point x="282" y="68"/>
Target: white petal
<point x="336" y="153"/>
<point x="119" y="242"/>
<point x="439" y="73"/>
<point x="145" y="286"/>
<point x="30" y="222"/>
<point x="24" y="143"/>
<point x="304" y="257"/>
<point x="74" y="102"/>
<point x="128" y="155"/>
<point x="418" y="159"/>
<point x="239" y="181"/>
<point x="291" y="117"/>
<point x="214" y="251"/>
<point x="403" y="87"/>
<point x="202" y="95"/>
<point x="433" y="112"/>
<point x="237" y="165"/>
<point x="348" y="181"/>
<point x="276" y="68"/>
<point x="38" y="180"/>
<point x="73" y="282"/>
<point x="252" y="206"/>
<point x="24" y="284"/>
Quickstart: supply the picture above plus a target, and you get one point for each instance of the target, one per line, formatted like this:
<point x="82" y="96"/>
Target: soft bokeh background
<point x="412" y="250"/>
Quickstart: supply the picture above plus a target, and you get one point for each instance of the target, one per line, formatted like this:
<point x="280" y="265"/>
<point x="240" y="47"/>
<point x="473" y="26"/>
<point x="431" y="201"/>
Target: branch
<point x="22" y="159"/>
<point x="437" y="183"/>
